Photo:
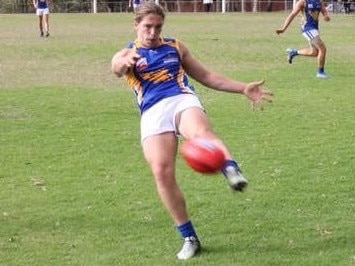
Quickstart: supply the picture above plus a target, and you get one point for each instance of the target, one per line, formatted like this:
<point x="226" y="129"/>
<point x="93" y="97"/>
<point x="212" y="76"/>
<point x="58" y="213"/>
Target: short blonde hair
<point x="148" y="8"/>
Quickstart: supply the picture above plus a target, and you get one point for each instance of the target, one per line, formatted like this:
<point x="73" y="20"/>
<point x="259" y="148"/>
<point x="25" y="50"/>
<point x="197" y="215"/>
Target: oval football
<point x="202" y="156"/>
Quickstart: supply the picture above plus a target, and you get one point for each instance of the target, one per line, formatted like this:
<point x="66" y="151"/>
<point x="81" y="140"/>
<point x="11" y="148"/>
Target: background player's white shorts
<point x="161" y="117"/>
<point x="135" y="6"/>
<point x="42" y="11"/>
<point x="310" y="34"/>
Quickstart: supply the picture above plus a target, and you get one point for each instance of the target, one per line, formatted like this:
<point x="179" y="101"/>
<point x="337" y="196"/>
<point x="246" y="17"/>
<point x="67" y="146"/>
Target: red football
<point x="202" y="156"/>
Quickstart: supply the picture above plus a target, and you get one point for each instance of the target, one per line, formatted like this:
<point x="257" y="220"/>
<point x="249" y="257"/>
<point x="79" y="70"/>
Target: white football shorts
<point x="310" y="34"/>
<point x="135" y="6"/>
<point x="161" y="117"/>
<point x="42" y="11"/>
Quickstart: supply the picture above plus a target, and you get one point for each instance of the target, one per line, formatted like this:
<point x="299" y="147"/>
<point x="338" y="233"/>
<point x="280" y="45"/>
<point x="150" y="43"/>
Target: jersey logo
<point x="171" y="60"/>
<point x="142" y="64"/>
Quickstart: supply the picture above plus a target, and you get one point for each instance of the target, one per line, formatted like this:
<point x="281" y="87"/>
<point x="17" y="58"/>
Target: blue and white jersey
<point x="311" y="14"/>
<point x="42" y="4"/>
<point x="158" y="74"/>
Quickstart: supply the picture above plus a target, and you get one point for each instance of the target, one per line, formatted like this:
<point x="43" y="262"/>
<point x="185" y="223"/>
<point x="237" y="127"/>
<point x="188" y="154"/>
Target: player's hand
<point x="123" y="61"/>
<point x="130" y="57"/>
<point x="256" y="94"/>
<point x="279" y="31"/>
<point x="326" y="18"/>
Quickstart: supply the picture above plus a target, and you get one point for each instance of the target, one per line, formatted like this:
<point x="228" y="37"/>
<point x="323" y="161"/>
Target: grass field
<point x="75" y="190"/>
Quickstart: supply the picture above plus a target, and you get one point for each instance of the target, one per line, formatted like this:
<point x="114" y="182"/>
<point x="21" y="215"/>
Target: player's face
<point x="149" y="30"/>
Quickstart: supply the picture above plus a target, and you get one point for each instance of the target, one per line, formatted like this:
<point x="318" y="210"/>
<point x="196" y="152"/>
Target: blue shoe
<point x="291" y="53"/>
<point x="322" y="75"/>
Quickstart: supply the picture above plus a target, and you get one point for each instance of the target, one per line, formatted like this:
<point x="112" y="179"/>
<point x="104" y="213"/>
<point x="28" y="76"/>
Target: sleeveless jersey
<point x="158" y="74"/>
<point x="311" y="14"/>
<point x="42" y="4"/>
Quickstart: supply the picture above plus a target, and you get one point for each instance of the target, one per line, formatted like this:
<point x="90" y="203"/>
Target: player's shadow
<point x="224" y="250"/>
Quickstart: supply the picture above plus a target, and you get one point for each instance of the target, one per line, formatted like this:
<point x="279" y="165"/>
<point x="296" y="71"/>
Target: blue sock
<point x="229" y="163"/>
<point x="321" y="70"/>
<point x="187" y="230"/>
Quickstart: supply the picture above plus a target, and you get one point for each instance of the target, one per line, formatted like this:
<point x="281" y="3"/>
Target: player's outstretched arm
<point x="253" y="91"/>
<point x="298" y="7"/>
<point x="325" y="13"/>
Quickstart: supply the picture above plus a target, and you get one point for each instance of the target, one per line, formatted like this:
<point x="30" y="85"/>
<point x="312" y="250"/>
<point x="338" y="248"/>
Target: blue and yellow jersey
<point x="311" y="14"/>
<point x="42" y="4"/>
<point x="158" y="74"/>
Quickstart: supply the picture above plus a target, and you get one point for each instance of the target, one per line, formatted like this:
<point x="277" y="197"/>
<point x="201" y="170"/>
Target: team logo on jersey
<point x="142" y="63"/>
<point x="171" y="58"/>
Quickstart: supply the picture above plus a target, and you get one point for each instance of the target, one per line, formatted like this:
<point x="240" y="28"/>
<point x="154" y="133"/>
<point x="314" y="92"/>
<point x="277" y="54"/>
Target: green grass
<point x="75" y="190"/>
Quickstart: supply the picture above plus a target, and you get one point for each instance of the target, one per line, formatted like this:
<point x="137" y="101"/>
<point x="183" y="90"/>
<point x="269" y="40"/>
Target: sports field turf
<point x="75" y="190"/>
